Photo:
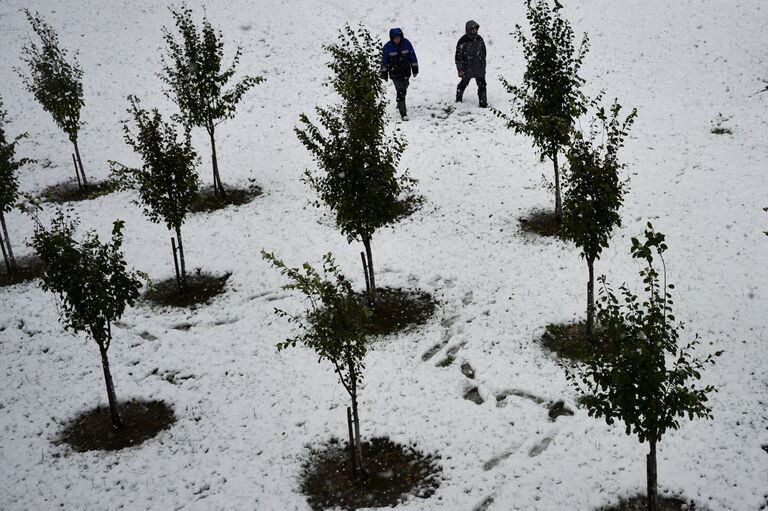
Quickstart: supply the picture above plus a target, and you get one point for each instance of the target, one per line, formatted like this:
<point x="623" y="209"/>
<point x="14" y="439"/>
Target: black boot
<point x="401" y="108"/>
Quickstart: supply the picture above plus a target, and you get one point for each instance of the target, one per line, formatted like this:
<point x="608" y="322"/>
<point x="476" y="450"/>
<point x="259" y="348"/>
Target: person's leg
<point x="482" y="94"/>
<point x="460" y="89"/>
<point x="401" y="86"/>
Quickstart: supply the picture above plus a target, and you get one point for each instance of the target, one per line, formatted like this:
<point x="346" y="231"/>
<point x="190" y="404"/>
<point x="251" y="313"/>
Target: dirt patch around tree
<point x="640" y="503"/>
<point x="93" y="431"/>
<point x="27" y="268"/>
<point x="571" y="341"/>
<point x="396" y="309"/>
<point x="394" y="473"/>
<point x="207" y="201"/>
<point x="71" y="192"/>
<point x="541" y="223"/>
<point x="200" y="289"/>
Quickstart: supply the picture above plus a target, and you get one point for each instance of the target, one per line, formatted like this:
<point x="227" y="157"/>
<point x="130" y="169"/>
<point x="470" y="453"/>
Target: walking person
<point x="470" y="63"/>
<point x="399" y="63"/>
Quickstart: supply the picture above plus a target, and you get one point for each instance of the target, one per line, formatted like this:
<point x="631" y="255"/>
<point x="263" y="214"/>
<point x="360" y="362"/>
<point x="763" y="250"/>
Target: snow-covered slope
<point x="246" y="414"/>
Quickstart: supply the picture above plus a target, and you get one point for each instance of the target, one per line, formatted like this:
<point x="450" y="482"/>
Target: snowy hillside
<point x="246" y="414"/>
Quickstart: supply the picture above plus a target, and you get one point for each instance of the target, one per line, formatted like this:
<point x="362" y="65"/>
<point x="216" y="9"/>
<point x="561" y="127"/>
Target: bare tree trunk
<point x="80" y="164"/>
<point x="591" y="296"/>
<point x="352" y="450"/>
<point x="355" y="416"/>
<point x="5" y="254"/>
<point x="369" y="257"/>
<point x="181" y="258"/>
<point x="652" y="482"/>
<point x="218" y="188"/>
<point x="558" y="199"/>
<point x="117" y="423"/>
<point x="11" y="258"/>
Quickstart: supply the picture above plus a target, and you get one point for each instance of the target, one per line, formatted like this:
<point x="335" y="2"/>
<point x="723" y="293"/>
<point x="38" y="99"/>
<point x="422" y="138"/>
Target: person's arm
<point x="460" y="57"/>
<point x="383" y="74"/>
<point x="482" y="51"/>
<point x="414" y="60"/>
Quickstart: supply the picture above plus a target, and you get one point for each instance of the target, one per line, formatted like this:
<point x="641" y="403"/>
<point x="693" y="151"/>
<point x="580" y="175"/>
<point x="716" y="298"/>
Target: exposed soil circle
<point x="200" y="288"/>
<point x="71" y="192"/>
<point x="408" y="205"/>
<point x="27" y="268"/>
<point x="640" y="503"/>
<point x="541" y="223"/>
<point x="396" y="309"/>
<point x="92" y="430"/>
<point x="571" y="341"/>
<point x="207" y="201"/>
<point x="395" y="473"/>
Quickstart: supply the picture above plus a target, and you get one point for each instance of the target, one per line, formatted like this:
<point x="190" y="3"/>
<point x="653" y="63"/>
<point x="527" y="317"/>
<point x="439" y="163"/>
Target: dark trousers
<point x="401" y="86"/>
<point x="481" y="88"/>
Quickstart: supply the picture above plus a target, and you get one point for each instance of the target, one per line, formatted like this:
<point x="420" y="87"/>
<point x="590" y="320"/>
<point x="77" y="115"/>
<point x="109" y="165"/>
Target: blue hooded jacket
<point x="399" y="59"/>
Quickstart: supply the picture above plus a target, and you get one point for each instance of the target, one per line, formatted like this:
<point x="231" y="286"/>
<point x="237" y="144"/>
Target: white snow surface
<point x="246" y="414"/>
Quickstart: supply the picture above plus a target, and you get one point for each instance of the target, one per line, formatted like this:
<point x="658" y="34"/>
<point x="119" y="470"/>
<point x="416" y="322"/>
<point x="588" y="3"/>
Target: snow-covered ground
<point x="246" y="413"/>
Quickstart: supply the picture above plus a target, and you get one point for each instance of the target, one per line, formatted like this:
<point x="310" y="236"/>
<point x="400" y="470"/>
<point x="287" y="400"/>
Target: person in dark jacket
<point x="470" y="62"/>
<point x="398" y="63"/>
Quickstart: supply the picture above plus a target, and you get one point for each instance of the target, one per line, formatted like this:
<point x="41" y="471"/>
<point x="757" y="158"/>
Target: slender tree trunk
<point x="355" y="416"/>
<point x="591" y="296"/>
<point x="11" y="258"/>
<point x="558" y="199"/>
<point x="117" y="423"/>
<point x="218" y="188"/>
<point x="80" y="164"/>
<point x="652" y="482"/>
<point x="5" y="254"/>
<point x="369" y="256"/>
<point x="181" y="258"/>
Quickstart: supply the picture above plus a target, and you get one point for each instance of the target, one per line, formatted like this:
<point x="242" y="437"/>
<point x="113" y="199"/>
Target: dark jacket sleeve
<point x="459" y="56"/>
<point x="385" y="58"/>
<point x="482" y="52"/>
<point x="414" y="60"/>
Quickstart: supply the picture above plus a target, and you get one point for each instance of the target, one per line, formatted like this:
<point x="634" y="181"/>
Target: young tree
<point x="548" y="102"/>
<point x="92" y="285"/>
<point x="359" y="180"/>
<point x="9" y="185"/>
<point x="643" y="377"/>
<point x="595" y="191"/>
<point x="333" y="326"/>
<point x="167" y="182"/>
<point x="56" y="83"/>
<point x="197" y="81"/>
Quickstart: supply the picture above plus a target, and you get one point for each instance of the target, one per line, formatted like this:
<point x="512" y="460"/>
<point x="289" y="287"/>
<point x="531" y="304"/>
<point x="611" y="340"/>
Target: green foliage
<point x="548" y="102"/>
<point x="194" y="74"/>
<point x="643" y="377"/>
<point x="90" y="278"/>
<point x="55" y="82"/>
<point x="167" y="182"/>
<point x="595" y="191"/>
<point x="333" y="326"/>
<point x="358" y="160"/>
<point x="9" y="182"/>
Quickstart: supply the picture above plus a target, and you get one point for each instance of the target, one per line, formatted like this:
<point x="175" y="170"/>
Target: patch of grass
<point x="70" y="192"/>
<point x="396" y="309"/>
<point x="541" y="223"/>
<point x="640" y="503"/>
<point x="207" y="201"/>
<point x="719" y="130"/>
<point x="200" y="288"/>
<point x="93" y="431"/>
<point x="394" y="473"/>
<point x="27" y="268"/>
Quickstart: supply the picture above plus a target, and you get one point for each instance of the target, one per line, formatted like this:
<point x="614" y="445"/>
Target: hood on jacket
<point x="470" y="25"/>
<point x="395" y="32"/>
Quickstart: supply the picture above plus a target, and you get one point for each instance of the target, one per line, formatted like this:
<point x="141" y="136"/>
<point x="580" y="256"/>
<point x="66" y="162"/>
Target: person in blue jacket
<point x="399" y="63"/>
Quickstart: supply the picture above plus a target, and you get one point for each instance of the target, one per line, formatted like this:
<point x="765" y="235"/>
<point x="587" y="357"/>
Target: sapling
<point x="9" y="185"/>
<point x="642" y="376"/>
<point x="92" y="284"/>
<point x="595" y="190"/>
<point x="56" y="82"/>
<point x="197" y="80"/>
<point x="167" y="182"/>
<point x="357" y="159"/>
<point x="333" y="326"/>
<point x="547" y="104"/>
